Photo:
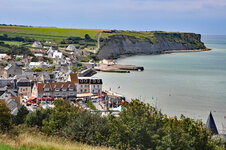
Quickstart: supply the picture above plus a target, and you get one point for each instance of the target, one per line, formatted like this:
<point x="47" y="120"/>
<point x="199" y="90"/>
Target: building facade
<point x="24" y="87"/>
<point x="65" y="90"/>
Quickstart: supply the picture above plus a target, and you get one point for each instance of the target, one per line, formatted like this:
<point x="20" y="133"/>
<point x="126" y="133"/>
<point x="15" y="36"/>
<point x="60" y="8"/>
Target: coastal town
<point x="113" y="75"/>
<point x="58" y="74"/>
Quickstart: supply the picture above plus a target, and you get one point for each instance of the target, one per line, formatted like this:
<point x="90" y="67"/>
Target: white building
<point x="3" y="56"/>
<point x="86" y="84"/>
<point x="35" y="64"/>
<point x="89" y="85"/>
<point x="54" y="53"/>
<point x="57" y="54"/>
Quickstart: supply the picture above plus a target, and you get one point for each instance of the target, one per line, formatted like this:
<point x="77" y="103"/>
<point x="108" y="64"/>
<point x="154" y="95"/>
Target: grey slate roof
<point x="210" y="124"/>
<point x="4" y="82"/>
<point x="18" y="63"/>
<point x="23" y="80"/>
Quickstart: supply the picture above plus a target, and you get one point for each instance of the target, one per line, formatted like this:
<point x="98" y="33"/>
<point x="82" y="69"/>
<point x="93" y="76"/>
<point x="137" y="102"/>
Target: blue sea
<point x="192" y="84"/>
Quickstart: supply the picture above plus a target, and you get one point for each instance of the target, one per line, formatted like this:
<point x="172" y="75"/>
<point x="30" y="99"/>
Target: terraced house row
<point x="70" y="89"/>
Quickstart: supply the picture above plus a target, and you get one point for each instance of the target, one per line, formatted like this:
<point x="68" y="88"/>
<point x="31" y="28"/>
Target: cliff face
<point x="116" y="45"/>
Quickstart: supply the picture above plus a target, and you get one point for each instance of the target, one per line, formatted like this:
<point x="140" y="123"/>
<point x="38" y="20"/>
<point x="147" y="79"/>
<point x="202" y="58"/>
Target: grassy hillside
<point x="41" y="33"/>
<point x="37" y="141"/>
<point x="7" y="147"/>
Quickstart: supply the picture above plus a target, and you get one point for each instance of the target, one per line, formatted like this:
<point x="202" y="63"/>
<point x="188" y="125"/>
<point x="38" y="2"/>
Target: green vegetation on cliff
<point x="157" y="36"/>
<point x="45" y="33"/>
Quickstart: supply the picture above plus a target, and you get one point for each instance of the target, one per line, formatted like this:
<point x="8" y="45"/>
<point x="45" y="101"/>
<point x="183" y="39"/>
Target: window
<point x="71" y="93"/>
<point x="85" y="90"/>
<point x="98" y="86"/>
<point x="64" y="93"/>
<point x="81" y="86"/>
<point x="57" y="93"/>
<point x="64" y="89"/>
<point x="71" y="89"/>
<point x="57" y="89"/>
<point x="81" y="91"/>
<point x="93" y="86"/>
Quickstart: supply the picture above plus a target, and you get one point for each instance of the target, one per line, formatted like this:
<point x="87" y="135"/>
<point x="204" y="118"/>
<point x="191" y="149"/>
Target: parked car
<point x="28" y="104"/>
<point x="35" y="106"/>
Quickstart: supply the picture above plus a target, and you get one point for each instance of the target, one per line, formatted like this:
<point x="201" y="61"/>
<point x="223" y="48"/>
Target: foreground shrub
<point x="36" y="118"/>
<point x="58" y="117"/>
<point x="87" y="128"/>
<point x="139" y="126"/>
<point x="21" y="116"/>
<point x="5" y="117"/>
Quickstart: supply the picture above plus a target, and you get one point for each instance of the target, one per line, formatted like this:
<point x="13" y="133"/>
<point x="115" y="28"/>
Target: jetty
<point x="117" y="68"/>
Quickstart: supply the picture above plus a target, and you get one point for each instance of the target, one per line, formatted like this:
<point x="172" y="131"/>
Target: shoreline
<point x="164" y="52"/>
<point x="185" y="51"/>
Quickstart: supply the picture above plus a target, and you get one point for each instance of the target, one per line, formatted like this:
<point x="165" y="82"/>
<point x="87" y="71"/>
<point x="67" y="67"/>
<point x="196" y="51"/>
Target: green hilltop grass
<point x="6" y="147"/>
<point x="13" y="43"/>
<point x="58" y="34"/>
<point x="42" y="33"/>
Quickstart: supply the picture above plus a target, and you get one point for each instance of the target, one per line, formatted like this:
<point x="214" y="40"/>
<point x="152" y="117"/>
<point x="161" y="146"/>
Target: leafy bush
<point x="87" y="128"/>
<point x="58" y="117"/>
<point x="36" y="118"/>
<point x="14" y="50"/>
<point x="5" y="117"/>
<point x="37" y="69"/>
<point x="139" y="126"/>
<point x="75" y="69"/>
<point x="21" y="116"/>
<point x="34" y="59"/>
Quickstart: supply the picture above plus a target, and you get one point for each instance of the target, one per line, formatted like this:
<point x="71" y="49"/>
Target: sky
<point x="199" y="16"/>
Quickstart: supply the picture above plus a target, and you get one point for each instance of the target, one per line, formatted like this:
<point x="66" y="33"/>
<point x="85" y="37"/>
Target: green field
<point x="13" y="43"/>
<point x="41" y="33"/>
<point x="6" y="147"/>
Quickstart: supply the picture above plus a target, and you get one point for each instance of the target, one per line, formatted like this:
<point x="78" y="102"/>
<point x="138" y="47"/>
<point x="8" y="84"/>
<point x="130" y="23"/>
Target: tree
<point x="34" y="59"/>
<point x="139" y="126"/>
<point x="87" y="128"/>
<point x="37" y="69"/>
<point x="36" y="118"/>
<point x="58" y="117"/>
<point x="5" y="117"/>
<point x="18" y="58"/>
<point x="87" y="37"/>
<point x="21" y="116"/>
